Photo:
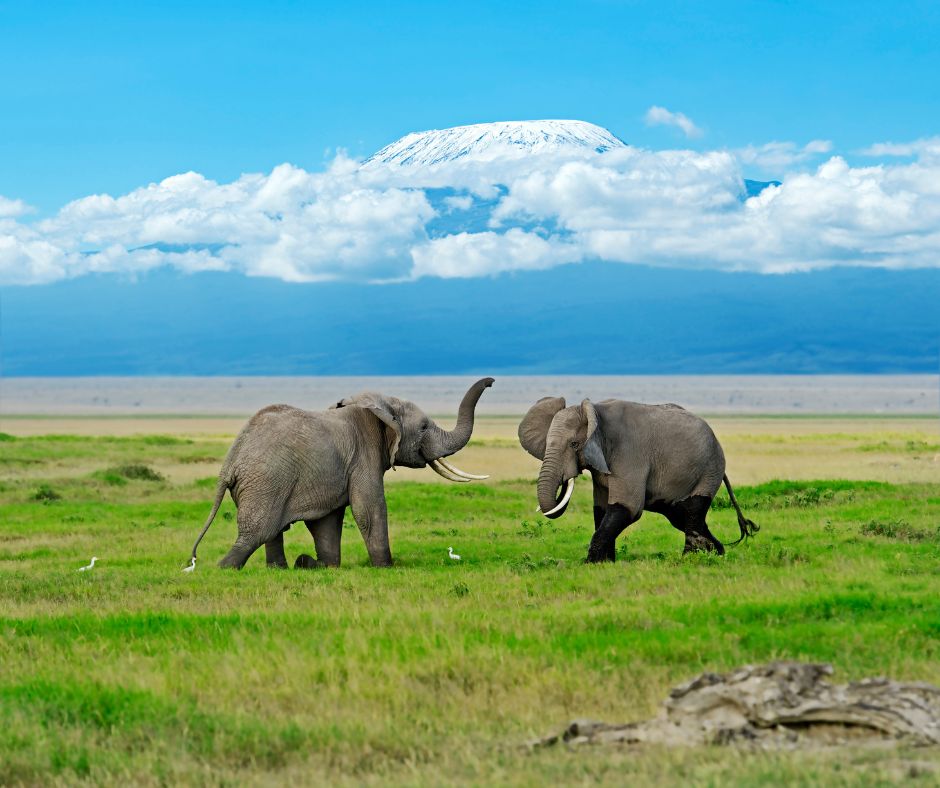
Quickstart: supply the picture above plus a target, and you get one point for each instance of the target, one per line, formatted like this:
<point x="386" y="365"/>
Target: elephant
<point x="289" y="465"/>
<point x="659" y="458"/>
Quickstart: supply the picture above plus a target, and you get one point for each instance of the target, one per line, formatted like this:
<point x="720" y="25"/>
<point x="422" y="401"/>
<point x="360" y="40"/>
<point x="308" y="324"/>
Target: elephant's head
<point x="413" y="440"/>
<point x="566" y="440"/>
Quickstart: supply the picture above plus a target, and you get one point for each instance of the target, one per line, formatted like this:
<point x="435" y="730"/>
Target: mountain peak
<point x="488" y="141"/>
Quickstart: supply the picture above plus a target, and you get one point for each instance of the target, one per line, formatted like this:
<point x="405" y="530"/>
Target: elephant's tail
<point x="220" y="489"/>
<point x="748" y="527"/>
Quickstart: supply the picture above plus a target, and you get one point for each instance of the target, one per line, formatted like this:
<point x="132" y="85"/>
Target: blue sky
<point x="107" y="97"/>
<point x="175" y="172"/>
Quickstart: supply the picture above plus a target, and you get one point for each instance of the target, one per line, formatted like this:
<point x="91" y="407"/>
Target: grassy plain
<point x="434" y="672"/>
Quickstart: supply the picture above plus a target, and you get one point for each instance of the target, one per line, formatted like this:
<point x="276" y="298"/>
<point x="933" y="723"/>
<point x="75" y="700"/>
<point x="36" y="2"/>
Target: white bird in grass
<point x="192" y="565"/>
<point x="452" y="554"/>
<point x="86" y="568"/>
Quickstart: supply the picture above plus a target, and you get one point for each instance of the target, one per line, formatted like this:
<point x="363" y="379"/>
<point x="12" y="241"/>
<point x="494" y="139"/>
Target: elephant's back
<point x="684" y="455"/>
<point x="282" y="435"/>
<point x="690" y="451"/>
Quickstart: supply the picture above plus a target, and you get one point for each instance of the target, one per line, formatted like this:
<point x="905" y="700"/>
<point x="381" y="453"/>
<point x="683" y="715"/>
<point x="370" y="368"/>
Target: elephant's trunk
<point x="549" y="482"/>
<point x="443" y="443"/>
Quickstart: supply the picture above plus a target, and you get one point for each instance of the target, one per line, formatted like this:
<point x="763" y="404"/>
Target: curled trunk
<point x="442" y="443"/>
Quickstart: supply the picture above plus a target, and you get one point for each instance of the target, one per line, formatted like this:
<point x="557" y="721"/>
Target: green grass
<point x="432" y="672"/>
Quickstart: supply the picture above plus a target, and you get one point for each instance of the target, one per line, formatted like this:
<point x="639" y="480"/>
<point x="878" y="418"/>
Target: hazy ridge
<point x="510" y="395"/>
<point x="582" y="319"/>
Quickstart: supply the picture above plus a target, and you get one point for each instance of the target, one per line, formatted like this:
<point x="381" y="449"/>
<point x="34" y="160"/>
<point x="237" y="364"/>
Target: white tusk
<point x="567" y="497"/>
<point x="438" y="469"/>
<point x="458" y="472"/>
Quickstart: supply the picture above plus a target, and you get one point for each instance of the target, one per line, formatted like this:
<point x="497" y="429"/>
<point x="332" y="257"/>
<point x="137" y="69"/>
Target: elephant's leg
<point x="600" y="509"/>
<point x="617" y="518"/>
<point x="241" y="551"/>
<point x="698" y="538"/>
<point x="256" y="525"/>
<point x="678" y="519"/>
<point x="367" y="502"/>
<point x="327" y="533"/>
<point x="274" y="552"/>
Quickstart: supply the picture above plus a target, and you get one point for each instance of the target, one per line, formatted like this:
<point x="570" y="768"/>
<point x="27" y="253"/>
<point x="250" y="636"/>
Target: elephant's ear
<point x="593" y="443"/>
<point x="533" y="429"/>
<point x="382" y="409"/>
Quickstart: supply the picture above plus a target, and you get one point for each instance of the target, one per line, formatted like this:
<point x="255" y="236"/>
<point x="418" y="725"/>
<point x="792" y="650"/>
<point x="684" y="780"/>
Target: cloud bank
<point x="464" y="219"/>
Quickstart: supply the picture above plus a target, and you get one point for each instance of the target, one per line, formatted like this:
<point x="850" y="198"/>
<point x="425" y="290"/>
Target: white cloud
<point x="660" y="116"/>
<point x="778" y="156"/>
<point x="668" y="208"/>
<point x="10" y="208"/>
<point x="487" y="253"/>
<point x="928" y="147"/>
<point x="458" y="203"/>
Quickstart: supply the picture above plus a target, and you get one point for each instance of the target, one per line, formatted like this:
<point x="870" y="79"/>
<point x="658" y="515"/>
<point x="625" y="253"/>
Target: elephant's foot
<point x="277" y="564"/>
<point x="696" y="542"/>
<point x="305" y="561"/>
<point x="602" y="549"/>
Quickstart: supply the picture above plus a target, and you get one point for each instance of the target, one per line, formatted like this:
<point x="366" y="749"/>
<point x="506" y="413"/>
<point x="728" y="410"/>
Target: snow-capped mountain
<point x="488" y="141"/>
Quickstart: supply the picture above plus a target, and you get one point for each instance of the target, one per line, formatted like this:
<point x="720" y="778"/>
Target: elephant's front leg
<point x="600" y="509"/>
<point x="367" y="502"/>
<point x="602" y="547"/>
<point x="274" y="552"/>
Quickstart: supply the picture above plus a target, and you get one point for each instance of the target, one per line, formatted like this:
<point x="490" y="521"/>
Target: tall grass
<point x="435" y="671"/>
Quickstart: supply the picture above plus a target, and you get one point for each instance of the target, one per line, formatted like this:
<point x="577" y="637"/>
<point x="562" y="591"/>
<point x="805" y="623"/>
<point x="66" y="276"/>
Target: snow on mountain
<point x="488" y="141"/>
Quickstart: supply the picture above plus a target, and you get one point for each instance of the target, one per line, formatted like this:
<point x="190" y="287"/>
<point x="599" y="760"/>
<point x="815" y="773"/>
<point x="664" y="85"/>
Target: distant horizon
<point x="510" y="395"/>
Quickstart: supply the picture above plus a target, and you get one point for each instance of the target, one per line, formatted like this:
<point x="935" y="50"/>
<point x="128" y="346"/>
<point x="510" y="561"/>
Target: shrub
<point x="899" y="529"/>
<point x="137" y="471"/>
<point x="45" y="494"/>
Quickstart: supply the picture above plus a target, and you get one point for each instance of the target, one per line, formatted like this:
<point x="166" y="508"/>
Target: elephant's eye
<point x="575" y="444"/>
<point x="425" y="424"/>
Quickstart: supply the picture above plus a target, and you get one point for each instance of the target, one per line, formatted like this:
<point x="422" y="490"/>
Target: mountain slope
<point x="487" y="141"/>
<point x="591" y="318"/>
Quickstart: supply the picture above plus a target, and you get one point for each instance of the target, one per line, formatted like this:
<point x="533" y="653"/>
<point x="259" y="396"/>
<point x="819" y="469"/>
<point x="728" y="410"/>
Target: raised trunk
<point x="441" y="443"/>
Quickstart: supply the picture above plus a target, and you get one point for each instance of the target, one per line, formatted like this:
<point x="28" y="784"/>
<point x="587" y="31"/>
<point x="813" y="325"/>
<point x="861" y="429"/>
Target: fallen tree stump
<point x="780" y="705"/>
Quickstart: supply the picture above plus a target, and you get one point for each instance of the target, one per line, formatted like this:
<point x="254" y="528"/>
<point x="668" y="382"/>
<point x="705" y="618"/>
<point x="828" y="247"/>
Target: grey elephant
<point x="288" y="465"/>
<point x="660" y="458"/>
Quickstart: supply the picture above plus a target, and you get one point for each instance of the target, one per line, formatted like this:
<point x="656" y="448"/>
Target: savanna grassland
<point x="436" y="671"/>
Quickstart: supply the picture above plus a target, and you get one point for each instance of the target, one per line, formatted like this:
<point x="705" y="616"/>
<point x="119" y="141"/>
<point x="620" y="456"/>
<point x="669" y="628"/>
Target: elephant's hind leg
<point x="274" y="552"/>
<point x="255" y="528"/>
<point x="689" y="516"/>
<point x="327" y="535"/>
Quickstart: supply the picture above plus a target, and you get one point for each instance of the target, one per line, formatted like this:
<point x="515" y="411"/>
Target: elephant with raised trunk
<point x="660" y="458"/>
<point x="289" y="465"/>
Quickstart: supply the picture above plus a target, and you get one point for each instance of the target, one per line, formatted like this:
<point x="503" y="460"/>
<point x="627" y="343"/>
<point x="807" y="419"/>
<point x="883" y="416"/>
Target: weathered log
<point x="778" y="705"/>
